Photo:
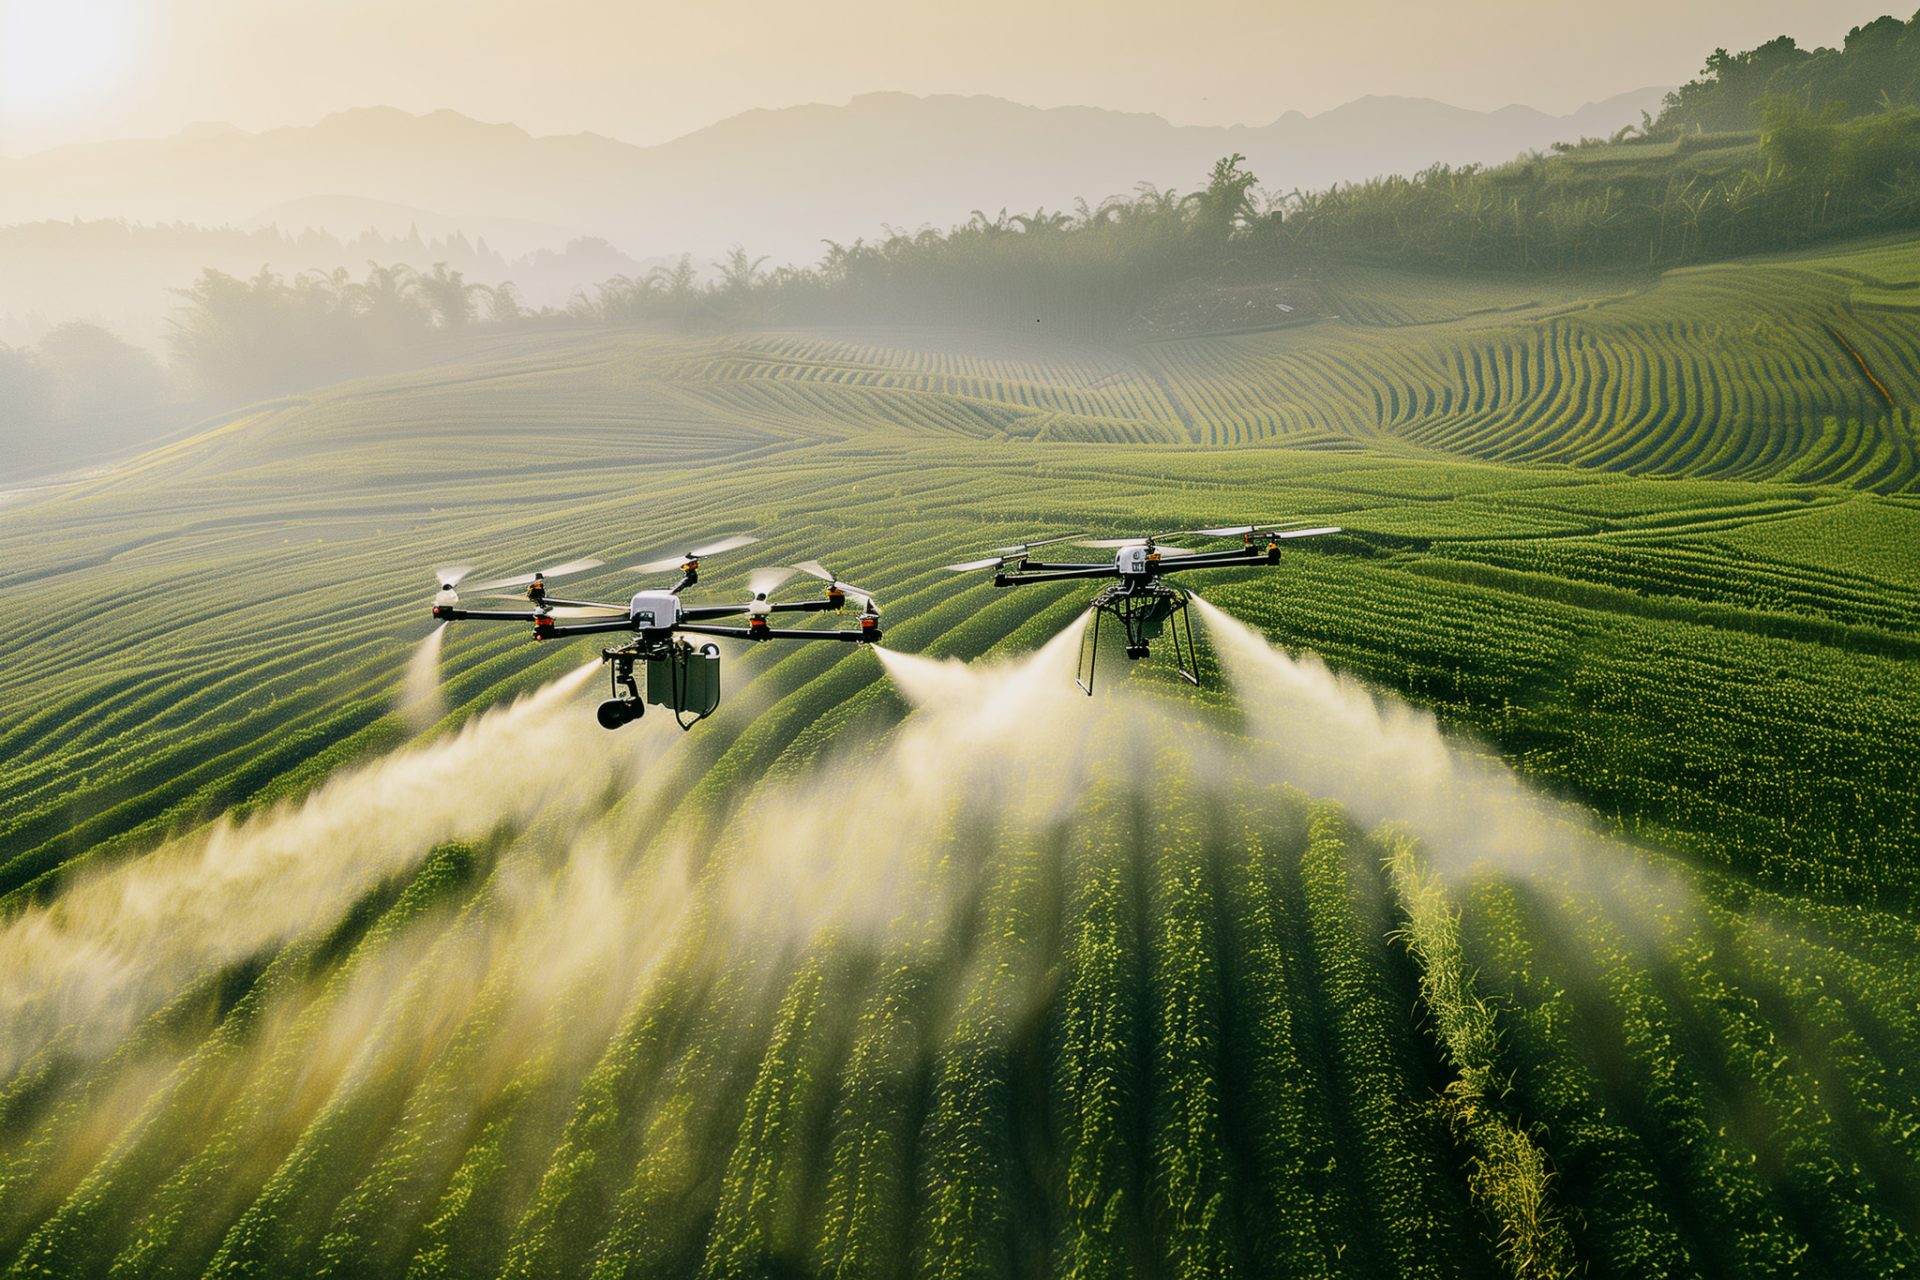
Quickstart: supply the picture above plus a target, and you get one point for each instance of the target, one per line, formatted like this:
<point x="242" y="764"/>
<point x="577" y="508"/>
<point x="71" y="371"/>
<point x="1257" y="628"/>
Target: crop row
<point x="1738" y="388"/>
<point x="1510" y="1173"/>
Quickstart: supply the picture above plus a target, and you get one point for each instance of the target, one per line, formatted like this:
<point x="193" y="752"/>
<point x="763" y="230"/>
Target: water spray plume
<point x="936" y="684"/>
<point x="852" y="837"/>
<point x="113" y="947"/>
<point x="1386" y="760"/>
<point x="421" y="704"/>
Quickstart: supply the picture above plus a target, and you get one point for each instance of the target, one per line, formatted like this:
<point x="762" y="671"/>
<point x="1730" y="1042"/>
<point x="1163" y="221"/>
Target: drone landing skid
<point x="1143" y="614"/>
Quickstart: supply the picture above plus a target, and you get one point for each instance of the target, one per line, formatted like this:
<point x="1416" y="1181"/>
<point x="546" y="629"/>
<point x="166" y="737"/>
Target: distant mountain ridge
<point x="777" y="180"/>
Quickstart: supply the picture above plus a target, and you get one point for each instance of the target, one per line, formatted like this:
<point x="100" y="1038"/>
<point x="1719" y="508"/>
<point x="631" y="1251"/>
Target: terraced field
<point x="934" y="970"/>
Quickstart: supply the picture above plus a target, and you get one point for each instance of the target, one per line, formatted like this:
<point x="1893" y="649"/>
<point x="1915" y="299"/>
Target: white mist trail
<point x="112" y="948"/>
<point x="846" y="844"/>
<point x="421" y="701"/>
<point x="1387" y="761"/>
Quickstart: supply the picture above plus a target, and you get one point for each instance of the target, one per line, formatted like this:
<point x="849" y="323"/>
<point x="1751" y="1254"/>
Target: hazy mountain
<point x="779" y="181"/>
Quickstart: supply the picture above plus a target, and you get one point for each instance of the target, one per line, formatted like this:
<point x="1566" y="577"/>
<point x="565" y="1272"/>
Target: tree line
<point x="253" y="336"/>
<point x="1824" y="158"/>
<point x="1878" y="66"/>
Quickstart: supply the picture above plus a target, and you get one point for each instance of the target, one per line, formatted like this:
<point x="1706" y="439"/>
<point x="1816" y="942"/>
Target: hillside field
<point x="886" y="971"/>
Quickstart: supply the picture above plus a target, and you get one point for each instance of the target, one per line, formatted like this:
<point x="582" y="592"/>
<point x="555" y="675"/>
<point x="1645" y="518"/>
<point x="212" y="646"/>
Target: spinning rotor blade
<point x="764" y="582"/>
<point x="1113" y="543"/>
<point x="588" y="614"/>
<point x="451" y="577"/>
<point x="821" y="572"/>
<point x="1308" y="533"/>
<point x="558" y="571"/>
<point x="991" y="562"/>
<point x="1022" y="547"/>
<point x="711" y="549"/>
<point x="1235" y="531"/>
<point x="581" y="607"/>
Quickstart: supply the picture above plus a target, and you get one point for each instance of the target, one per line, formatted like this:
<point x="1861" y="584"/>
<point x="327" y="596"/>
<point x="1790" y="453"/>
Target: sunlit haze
<point x="84" y="70"/>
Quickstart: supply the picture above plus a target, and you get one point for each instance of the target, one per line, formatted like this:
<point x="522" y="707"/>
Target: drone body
<point x="1142" y="604"/>
<point x="679" y="676"/>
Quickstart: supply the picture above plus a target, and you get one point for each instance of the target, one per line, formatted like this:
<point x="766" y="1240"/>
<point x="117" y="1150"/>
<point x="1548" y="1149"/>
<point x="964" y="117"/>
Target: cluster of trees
<point x="237" y="338"/>
<point x="1811" y="175"/>
<point x="1878" y="67"/>
<point x="1770" y="149"/>
<point x="1808" y="176"/>
<point x="1067" y="272"/>
<point x="1836" y="152"/>
<point x="73" y="394"/>
<point x="121" y="270"/>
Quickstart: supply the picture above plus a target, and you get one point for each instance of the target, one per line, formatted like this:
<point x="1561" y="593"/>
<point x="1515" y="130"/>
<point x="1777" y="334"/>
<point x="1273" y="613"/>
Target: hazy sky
<point x="78" y="70"/>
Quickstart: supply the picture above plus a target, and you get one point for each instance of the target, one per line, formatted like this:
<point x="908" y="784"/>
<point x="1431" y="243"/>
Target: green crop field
<point x="908" y="968"/>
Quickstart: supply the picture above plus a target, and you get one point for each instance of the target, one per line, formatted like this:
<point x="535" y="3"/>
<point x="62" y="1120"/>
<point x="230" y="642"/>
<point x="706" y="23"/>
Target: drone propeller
<point x="991" y="562"/>
<point x="1111" y="543"/>
<point x="711" y="549"/>
<point x="1001" y="555"/>
<point x="582" y="609"/>
<point x="763" y="583"/>
<point x="820" y="571"/>
<point x="589" y="613"/>
<point x="558" y="571"/>
<point x="1021" y="548"/>
<point x="1274" y="528"/>
<point x="448" y="579"/>
<point x="768" y="580"/>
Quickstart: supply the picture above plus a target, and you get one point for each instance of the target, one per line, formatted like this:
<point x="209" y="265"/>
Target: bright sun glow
<point x="58" y="53"/>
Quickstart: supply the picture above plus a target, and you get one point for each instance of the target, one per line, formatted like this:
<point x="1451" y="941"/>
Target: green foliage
<point x="80" y="393"/>
<point x="238" y="339"/>
<point x="1878" y="66"/>
<point x="1418" y="1231"/>
<point x="1509" y="1174"/>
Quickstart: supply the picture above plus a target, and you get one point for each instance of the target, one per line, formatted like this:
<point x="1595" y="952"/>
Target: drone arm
<point x="557" y="632"/>
<point x="1232" y="561"/>
<point x="808" y="606"/>
<point x="1037" y="567"/>
<point x="453" y="613"/>
<point x="707" y="611"/>
<point x="584" y="604"/>
<point x="781" y="633"/>
<point x="1056" y="575"/>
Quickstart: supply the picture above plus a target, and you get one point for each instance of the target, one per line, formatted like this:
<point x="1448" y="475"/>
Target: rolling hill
<point x="1557" y="918"/>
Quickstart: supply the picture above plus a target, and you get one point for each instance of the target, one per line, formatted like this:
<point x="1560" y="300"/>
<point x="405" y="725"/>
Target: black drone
<point x="680" y="677"/>
<point x="1144" y="605"/>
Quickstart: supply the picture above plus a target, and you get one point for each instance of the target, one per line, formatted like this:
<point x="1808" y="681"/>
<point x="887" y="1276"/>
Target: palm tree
<point x="677" y="281"/>
<point x="738" y="272"/>
<point x="389" y="298"/>
<point x="503" y="303"/>
<point x="448" y="296"/>
<point x="681" y="283"/>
